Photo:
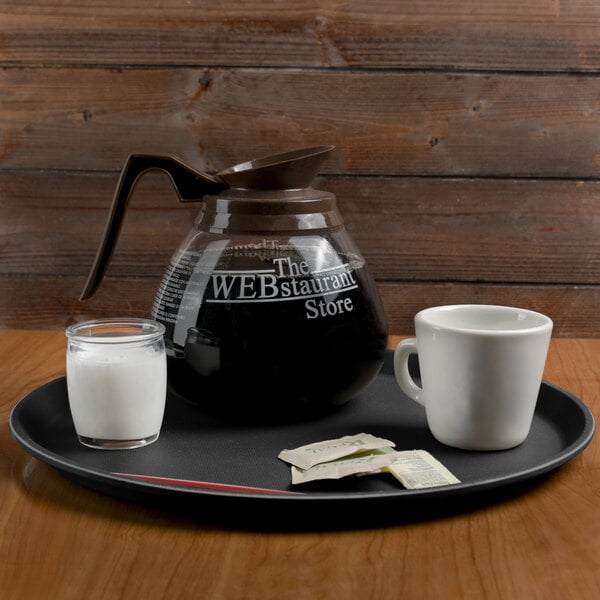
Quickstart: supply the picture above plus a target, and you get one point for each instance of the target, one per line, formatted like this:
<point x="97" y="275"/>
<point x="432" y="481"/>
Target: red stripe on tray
<point x="207" y="485"/>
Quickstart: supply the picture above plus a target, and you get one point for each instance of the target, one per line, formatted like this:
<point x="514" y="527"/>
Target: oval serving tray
<point x="199" y="457"/>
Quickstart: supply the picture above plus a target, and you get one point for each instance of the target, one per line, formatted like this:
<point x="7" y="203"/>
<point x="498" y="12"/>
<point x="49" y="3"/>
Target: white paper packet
<point x="359" y="465"/>
<point x="418" y="469"/>
<point x="309" y="455"/>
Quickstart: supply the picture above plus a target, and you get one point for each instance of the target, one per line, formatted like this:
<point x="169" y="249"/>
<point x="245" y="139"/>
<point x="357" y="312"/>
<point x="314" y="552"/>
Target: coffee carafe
<point x="268" y="305"/>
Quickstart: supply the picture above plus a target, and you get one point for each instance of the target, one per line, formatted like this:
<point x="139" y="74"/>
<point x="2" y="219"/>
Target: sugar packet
<point x="309" y="455"/>
<point x="362" y="464"/>
<point x="418" y="469"/>
<point x="365" y="454"/>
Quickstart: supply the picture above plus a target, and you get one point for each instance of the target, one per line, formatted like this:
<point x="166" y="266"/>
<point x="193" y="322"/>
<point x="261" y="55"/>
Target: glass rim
<point x="115" y="330"/>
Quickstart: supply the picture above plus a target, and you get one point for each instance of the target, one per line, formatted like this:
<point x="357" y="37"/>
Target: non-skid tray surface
<point x="213" y="458"/>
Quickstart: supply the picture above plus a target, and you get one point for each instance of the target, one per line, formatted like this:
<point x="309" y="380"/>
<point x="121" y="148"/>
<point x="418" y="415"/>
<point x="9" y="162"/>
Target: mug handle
<point x="401" y="355"/>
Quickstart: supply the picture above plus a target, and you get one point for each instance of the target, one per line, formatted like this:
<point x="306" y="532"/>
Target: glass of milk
<point x="116" y="381"/>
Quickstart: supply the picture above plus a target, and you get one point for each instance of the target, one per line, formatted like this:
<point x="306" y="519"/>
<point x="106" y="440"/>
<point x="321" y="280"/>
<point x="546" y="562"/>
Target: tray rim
<point x="110" y="482"/>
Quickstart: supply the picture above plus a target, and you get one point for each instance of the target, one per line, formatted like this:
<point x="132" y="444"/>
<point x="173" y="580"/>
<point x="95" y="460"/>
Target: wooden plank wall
<point x="467" y="133"/>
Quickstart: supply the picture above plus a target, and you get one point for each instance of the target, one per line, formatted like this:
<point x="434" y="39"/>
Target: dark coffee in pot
<point x="294" y="333"/>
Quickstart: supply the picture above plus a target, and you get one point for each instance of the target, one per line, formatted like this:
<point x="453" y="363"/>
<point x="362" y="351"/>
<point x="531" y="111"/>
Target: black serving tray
<point x="201" y="458"/>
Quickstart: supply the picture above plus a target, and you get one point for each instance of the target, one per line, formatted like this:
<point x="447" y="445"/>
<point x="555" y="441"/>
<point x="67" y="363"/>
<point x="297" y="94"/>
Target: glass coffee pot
<point x="268" y="306"/>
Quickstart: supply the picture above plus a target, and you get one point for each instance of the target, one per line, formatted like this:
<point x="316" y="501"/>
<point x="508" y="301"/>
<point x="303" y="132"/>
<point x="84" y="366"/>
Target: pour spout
<point x="285" y="171"/>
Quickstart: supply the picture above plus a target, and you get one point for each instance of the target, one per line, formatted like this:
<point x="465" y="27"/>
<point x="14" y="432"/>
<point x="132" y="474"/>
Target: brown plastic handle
<point x="191" y="185"/>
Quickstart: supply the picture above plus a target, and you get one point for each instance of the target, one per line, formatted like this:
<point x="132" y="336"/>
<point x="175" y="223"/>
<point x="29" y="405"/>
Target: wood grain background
<point x="467" y="134"/>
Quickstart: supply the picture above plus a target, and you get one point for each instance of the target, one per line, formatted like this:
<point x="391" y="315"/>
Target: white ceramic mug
<point x="481" y="370"/>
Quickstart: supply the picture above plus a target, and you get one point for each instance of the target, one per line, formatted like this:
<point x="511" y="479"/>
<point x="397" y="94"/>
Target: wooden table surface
<point x="61" y="540"/>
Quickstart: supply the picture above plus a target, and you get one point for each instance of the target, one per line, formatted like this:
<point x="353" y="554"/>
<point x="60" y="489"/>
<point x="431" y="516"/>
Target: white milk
<point x="117" y="393"/>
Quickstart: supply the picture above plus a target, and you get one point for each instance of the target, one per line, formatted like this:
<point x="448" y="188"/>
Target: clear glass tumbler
<point x="117" y="381"/>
